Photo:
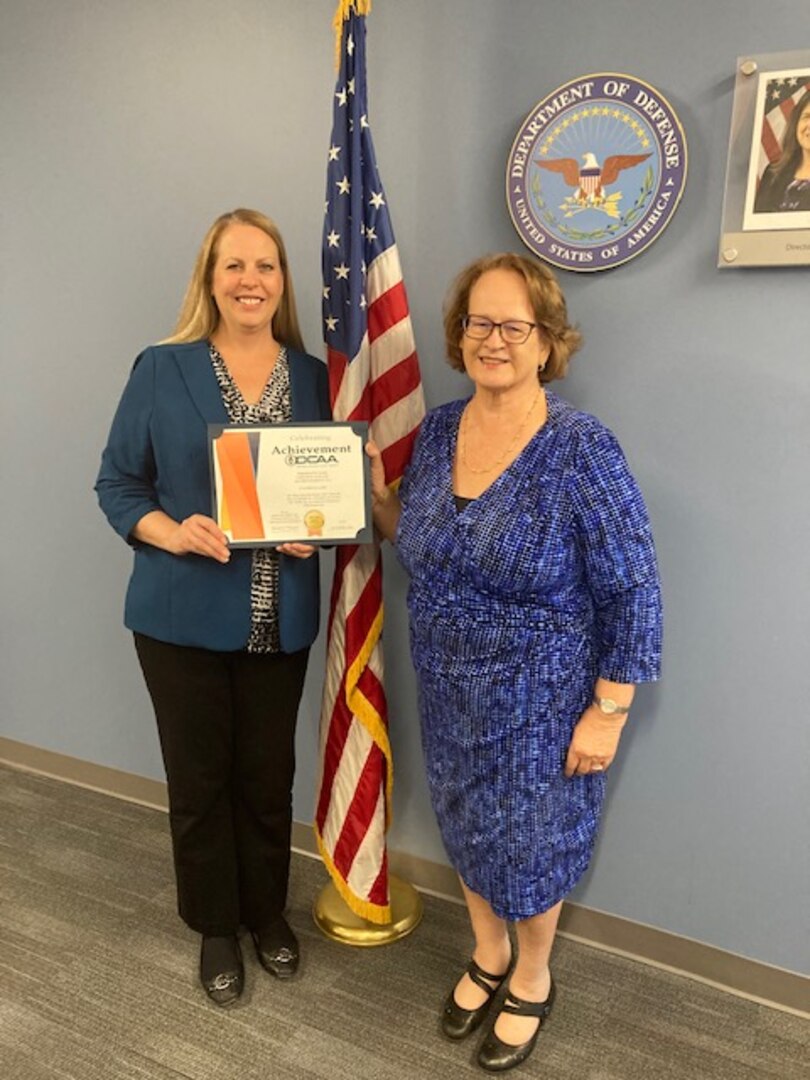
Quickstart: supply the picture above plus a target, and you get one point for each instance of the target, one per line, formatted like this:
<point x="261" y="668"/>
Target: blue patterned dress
<point x="517" y="603"/>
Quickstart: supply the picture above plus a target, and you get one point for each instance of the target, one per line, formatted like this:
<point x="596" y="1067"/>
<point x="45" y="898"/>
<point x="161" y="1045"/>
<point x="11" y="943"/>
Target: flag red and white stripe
<point x="781" y="98"/>
<point x="373" y="376"/>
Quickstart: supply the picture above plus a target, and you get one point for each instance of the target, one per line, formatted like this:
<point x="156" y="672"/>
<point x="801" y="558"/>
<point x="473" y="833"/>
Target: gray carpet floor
<point x="98" y="980"/>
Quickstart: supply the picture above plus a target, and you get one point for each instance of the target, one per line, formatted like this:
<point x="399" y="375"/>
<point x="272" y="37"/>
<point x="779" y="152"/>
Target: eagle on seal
<point x="591" y="179"/>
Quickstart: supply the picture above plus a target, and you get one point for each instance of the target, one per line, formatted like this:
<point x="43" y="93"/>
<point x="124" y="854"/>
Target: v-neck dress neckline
<point x="553" y="405"/>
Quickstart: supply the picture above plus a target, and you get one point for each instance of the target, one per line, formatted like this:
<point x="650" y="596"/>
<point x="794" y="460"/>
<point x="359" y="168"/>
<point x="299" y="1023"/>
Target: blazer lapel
<point x="195" y="366"/>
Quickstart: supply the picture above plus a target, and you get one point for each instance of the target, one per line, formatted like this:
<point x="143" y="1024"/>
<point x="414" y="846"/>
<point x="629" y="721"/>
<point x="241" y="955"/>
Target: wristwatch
<point x="610" y="707"/>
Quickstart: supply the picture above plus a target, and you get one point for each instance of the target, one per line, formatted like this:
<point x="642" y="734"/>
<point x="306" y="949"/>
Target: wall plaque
<point x="596" y="171"/>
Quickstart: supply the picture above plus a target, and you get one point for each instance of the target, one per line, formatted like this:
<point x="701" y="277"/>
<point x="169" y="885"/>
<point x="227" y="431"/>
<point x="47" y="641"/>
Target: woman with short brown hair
<point x="534" y="608"/>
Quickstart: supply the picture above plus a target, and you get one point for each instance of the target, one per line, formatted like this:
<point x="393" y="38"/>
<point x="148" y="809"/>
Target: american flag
<point x="781" y="95"/>
<point x="373" y="376"/>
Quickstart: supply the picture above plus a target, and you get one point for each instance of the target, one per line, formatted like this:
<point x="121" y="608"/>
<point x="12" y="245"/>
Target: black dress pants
<point x="226" y="722"/>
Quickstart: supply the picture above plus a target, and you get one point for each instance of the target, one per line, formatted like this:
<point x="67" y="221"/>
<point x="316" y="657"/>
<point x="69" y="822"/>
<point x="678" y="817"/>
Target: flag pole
<point x="373" y="370"/>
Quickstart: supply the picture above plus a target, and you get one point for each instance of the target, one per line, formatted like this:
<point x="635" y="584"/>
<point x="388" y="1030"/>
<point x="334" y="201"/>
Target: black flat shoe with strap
<point x="458" y="1023"/>
<point x="497" y="1056"/>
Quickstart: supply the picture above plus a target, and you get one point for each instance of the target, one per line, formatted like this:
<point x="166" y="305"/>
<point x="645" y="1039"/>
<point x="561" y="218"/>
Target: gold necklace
<point x="465" y="420"/>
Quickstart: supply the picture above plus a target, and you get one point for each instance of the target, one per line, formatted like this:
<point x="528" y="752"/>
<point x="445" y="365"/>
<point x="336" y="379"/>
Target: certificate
<point x="276" y="483"/>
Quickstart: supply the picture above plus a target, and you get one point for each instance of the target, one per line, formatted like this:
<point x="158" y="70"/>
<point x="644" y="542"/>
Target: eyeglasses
<point x="513" y="331"/>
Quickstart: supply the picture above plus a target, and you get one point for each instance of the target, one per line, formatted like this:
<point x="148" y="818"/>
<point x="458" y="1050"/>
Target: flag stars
<point x="364" y="121"/>
<point x="327" y="289"/>
<point x="377" y="199"/>
<point x="333" y="238"/>
<point x="363" y="302"/>
<point x="350" y="86"/>
<point x="342" y="272"/>
<point x="371" y="233"/>
<point x="341" y="97"/>
<point x="333" y="152"/>
<point x="343" y="186"/>
<point x="331" y="323"/>
<point x="350" y="45"/>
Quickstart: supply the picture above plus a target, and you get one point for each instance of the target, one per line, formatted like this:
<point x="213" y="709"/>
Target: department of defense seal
<point x="596" y="172"/>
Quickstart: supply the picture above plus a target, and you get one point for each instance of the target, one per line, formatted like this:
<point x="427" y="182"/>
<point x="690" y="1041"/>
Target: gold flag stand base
<point x="337" y="921"/>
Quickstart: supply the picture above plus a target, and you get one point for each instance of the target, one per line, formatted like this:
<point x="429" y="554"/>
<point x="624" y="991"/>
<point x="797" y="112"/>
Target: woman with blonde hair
<point x="222" y="635"/>
<point x="534" y="608"/>
<point x="199" y="315"/>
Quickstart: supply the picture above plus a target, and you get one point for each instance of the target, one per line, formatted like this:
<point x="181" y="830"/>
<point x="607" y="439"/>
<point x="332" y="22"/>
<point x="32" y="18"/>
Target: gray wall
<point x="127" y="127"/>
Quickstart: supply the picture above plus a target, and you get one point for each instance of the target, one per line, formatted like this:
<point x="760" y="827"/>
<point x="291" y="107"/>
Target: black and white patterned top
<point x="273" y="407"/>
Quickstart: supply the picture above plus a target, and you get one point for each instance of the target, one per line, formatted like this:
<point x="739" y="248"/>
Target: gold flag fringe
<point x="342" y="12"/>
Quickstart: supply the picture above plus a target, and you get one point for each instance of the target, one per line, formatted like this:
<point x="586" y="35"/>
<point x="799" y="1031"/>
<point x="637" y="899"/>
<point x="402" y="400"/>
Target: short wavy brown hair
<point x="545" y="296"/>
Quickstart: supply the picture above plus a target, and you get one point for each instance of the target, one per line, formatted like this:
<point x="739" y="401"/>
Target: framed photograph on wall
<point x="766" y="211"/>
<point x="778" y="191"/>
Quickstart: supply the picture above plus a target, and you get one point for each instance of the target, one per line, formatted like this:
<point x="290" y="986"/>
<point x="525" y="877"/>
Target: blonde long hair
<point x="199" y="314"/>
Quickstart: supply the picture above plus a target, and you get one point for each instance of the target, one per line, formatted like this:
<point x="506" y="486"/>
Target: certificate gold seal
<point x="314" y="521"/>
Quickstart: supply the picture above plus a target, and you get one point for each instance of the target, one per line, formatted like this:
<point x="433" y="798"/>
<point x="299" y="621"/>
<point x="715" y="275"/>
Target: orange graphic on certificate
<point x="239" y="512"/>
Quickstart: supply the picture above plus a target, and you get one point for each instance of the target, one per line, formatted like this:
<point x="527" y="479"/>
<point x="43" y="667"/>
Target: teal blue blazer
<point x="156" y="458"/>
